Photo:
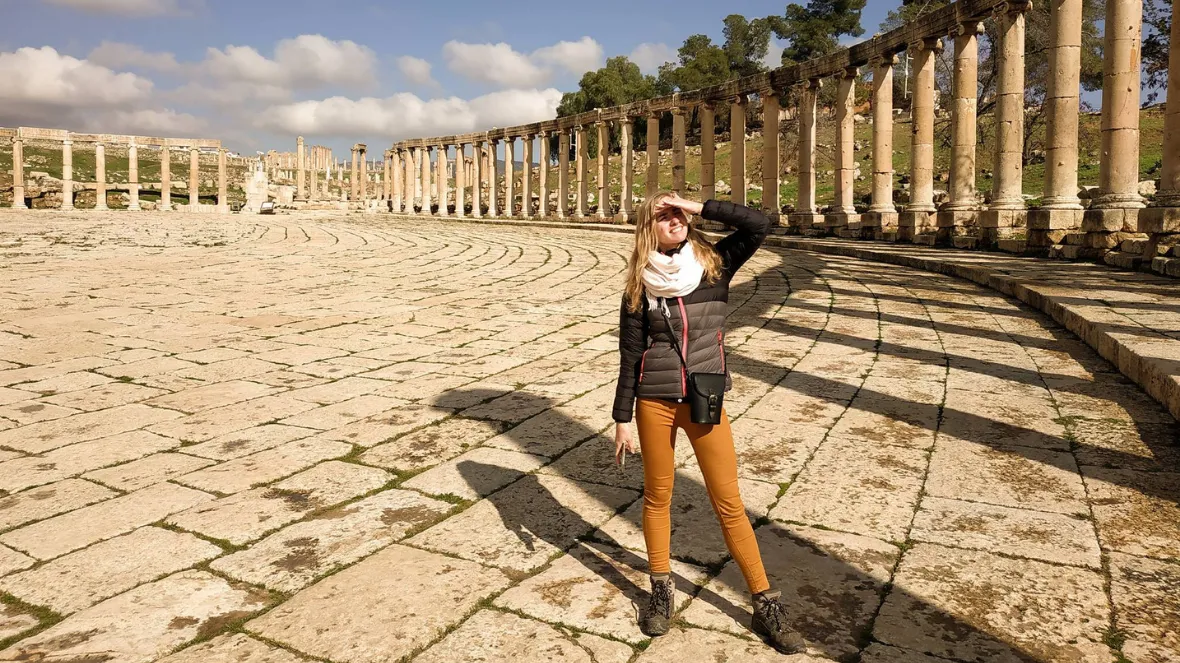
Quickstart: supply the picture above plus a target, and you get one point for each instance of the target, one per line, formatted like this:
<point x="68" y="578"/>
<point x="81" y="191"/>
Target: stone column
<point x="603" y="169"/>
<point x="165" y="179"/>
<point x="1116" y="207"/>
<point x="440" y="165"/>
<point x="424" y="185"/>
<point x="18" y="173"/>
<point x="806" y="214"/>
<point x="222" y="192"/>
<point x="300" y="175"/>
<point x="962" y="210"/>
<point x="882" y="215"/>
<point x="653" y="153"/>
<point x="563" y="174"/>
<point x="626" y="156"/>
<point x="678" y="174"/>
<point x="918" y="216"/>
<point x="476" y="179"/>
<point x="770" y="154"/>
<point x="843" y="218"/>
<point x="460" y="181"/>
<point x="737" y="149"/>
<point x="526" y="178"/>
<point x="580" y="159"/>
<point x="313" y="185"/>
<point x="543" y="175"/>
<point x="1007" y="210"/>
<point x="708" y="152"/>
<point x="67" y="174"/>
<point x="100" y="175"/>
<point x="395" y="181"/>
<point x="493" y="179"/>
<point x="194" y="178"/>
<point x="133" y="175"/>
<point x="363" y="183"/>
<point x="354" y="179"/>
<point x="509" y="177"/>
<point x="387" y="182"/>
<point x="1164" y="214"/>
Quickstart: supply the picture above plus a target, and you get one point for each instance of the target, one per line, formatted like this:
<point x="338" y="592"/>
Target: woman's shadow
<point x="834" y="594"/>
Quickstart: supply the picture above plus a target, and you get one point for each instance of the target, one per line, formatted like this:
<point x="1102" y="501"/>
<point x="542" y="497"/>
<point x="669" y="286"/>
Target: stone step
<point x="965" y="242"/>
<point x="1074" y="252"/>
<point x="926" y="239"/>
<point x="1017" y="246"/>
<point x="1123" y="259"/>
<point x="1166" y="266"/>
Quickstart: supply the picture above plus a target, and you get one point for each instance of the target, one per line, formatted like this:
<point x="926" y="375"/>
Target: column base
<point x="802" y="221"/>
<point x="1048" y="227"/>
<point x="625" y="218"/>
<point x="997" y="224"/>
<point x="912" y="223"/>
<point x="836" y="223"/>
<point x="954" y="223"/>
<point x="1159" y="220"/>
<point x="874" y="225"/>
<point x="1103" y="230"/>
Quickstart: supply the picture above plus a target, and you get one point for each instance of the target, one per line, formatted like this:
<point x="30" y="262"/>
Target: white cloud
<point x="416" y="70"/>
<point x="406" y="115"/>
<point x="307" y="61"/>
<point x="774" y="54"/>
<point x="502" y="65"/>
<point x="125" y="7"/>
<point x="118" y="55"/>
<point x="149" y="122"/>
<point x="576" y="57"/>
<point x="649" y="56"/>
<point x="44" y="77"/>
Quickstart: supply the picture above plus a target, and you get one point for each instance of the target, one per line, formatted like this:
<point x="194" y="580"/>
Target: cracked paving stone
<point x="139" y="625"/>
<point x="475" y="474"/>
<point x="265" y="466"/>
<point x="49" y="500"/>
<point x="430" y="445"/>
<point x="233" y="648"/>
<point x="490" y="635"/>
<point x="1146" y="596"/>
<point x="694" y="644"/>
<point x="1137" y="512"/>
<point x="347" y="616"/>
<point x="148" y="471"/>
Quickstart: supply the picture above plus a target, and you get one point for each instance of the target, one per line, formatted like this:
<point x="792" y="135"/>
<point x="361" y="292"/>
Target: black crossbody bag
<point x="706" y="391"/>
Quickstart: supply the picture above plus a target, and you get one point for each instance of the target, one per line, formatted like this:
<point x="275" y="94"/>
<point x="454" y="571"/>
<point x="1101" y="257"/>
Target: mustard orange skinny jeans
<point x="657" y="422"/>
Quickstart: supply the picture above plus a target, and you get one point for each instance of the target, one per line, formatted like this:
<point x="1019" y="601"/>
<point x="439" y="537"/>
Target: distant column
<point x="844" y="210"/>
<point x="806" y="214"/>
<point x="424" y="185"/>
<point x="194" y="178"/>
<point x="526" y="187"/>
<point x="603" y="130"/>
<point x="653" y="153"/>
<point x="67" y="174"/>
<point x="919" y="213"/>
<point x="494" y="177"/>
<point x="222" y="192"/>
<point x="395" y="181"/>
<point x="313" y="169"/>
<point x="882" y="215"/>
<point x="563" y="174"/>
<point x="678" y="174"/>
<point x="18" y="173"/>
<point x="354" y="179"/>
<point x="460" y="180"/>
<point x="1007" y="210"/>
<point x="582" y="157"/>
<point x="510" y="177"/>
<point x="300" y="174"/>
<point x="708" y="152"/>
<point x="737" y="147"/>
<point x="100" y="175"/>
<point x="770" y="154"/>
<point x="165" y="178"/>
<point x="362" y="157"/>
<point x="1164" y="214"/>
<point x="387" y="182"/>
<point x="440" y="165"/>
<point x="962" y="210"/>
<point x="133" y="175"/>
<point x="627" y="156"/>
<point x="543" y="175"/>
<point x="477" y="179"/>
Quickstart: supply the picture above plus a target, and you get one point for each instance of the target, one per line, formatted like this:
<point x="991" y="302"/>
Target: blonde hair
<point x="647" y="241"/>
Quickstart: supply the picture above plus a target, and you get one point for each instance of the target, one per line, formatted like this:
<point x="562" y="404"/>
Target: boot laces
<point x="773" y="614"/>
<point x="661" y="598"/>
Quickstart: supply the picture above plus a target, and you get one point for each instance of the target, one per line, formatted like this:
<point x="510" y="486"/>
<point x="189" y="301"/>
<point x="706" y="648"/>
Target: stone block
<point x="926" y="239"/>
<point x="1159" y="220"/>
<point x="1017" y="246"/>
<point x="840" y="220"/>
<point x="966" y="242"/>
<point x="1054" y="219"/>
<point x="804" y="221"/>
<point x="1003" y="218"/>
<point x="1111" y="220"/>
<point x="911" y="223"/>
<point x="1123" y="260"/>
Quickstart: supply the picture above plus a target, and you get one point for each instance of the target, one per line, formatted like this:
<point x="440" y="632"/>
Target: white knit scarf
<point x="672" y="276"/>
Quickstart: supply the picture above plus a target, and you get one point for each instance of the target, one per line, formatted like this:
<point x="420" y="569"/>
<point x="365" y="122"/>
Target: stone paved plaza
<point x="355" y="439"/>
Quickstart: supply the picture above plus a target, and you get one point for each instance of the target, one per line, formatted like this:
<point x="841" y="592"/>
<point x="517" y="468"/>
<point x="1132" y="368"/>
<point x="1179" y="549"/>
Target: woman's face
<point x="671" y="227"/>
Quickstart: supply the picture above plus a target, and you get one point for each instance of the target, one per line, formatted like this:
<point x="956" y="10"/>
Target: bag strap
<point x="672" y="332"/>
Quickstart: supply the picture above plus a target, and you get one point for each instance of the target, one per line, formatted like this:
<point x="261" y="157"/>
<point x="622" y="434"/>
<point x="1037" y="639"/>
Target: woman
<point x="675" y="276"/>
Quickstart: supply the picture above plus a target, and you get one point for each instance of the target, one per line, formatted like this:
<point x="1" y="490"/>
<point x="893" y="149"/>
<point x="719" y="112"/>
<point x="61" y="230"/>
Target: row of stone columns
<point x="133" y="183"/>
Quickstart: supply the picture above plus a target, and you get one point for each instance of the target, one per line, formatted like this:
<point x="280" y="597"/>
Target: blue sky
<point x="256" y="72"/>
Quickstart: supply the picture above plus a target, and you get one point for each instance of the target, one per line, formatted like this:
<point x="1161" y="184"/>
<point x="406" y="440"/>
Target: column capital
<point x="739" y="99"/>
<point x="708" y="104"/>
<point x="848" y="72"/>
<point x="927" y="44"/>
<point x="884" y="60"/>
<point x="677" y="110"/>
<point x="67" y="141"/>
<point x="813" y="84"/>
<point x="1013" y="7"/>
<point x="968" y="27"/>
<point x="768" y="92"/>
<point x="654" y="114"/>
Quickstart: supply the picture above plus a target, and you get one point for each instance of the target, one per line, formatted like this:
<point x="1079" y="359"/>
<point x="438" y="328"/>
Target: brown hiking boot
<point x="658" y="615"/>
<point x="770" y="622"/>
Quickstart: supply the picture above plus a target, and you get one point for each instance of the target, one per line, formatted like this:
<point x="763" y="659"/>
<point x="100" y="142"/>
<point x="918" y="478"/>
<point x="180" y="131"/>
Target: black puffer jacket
<point x="648" y="365"/>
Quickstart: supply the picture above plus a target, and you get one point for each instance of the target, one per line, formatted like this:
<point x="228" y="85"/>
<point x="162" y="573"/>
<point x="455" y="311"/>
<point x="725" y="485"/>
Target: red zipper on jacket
<point x="642" y="361"/>
<point x="721" y="347"/>
<point x="683" y="347"/>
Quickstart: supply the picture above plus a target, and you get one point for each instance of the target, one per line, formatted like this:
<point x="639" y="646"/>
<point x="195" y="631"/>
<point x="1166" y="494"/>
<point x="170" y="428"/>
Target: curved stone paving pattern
<point x="353" y="439"/>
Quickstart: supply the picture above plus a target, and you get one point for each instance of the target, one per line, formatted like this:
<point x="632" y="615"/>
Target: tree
<point x="618" y="82"/>
<point x="1157" y="16"/>
<point x="746" y="44"/>
<point x="700" y="63"/>
<point x="816" y="29"/>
